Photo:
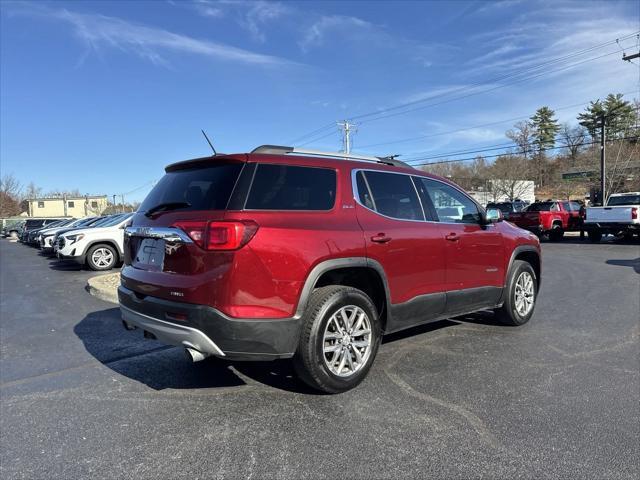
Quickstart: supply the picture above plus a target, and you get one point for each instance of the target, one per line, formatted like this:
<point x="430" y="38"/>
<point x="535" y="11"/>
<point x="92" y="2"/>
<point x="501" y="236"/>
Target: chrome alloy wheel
<point x="102" y="257"/>
<point x="524" y="294"/>
<point x="347" y="341"/>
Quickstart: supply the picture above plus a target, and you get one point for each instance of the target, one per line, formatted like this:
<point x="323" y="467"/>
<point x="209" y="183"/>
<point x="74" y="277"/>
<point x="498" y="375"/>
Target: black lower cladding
<point x="239" y="339"/>
<point x="437" y="306"/>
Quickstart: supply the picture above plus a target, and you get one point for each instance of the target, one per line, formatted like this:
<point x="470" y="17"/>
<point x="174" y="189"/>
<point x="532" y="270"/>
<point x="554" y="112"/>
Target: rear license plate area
<point x="149" y="255"/>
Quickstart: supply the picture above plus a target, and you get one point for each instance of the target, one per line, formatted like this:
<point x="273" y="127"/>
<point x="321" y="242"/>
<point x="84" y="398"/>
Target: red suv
<point x="284" y="253"/>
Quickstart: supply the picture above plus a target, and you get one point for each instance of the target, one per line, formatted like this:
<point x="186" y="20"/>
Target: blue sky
<point x="100" y="96"/>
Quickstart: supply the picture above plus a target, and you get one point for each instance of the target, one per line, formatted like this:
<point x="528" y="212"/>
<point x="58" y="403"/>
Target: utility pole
<point x="628" y="58"/>
<point x="347" y="129"/>
<point x="122" y="198"/>
<point x="603" y="158"/>
<point x="114" y="203"/>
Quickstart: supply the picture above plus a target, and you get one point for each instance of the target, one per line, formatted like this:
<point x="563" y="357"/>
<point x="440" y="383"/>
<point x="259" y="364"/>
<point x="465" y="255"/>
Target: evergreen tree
<point x="620" y="117"/>
<point x="545" y="128"/>
<point x="590" y="118"/>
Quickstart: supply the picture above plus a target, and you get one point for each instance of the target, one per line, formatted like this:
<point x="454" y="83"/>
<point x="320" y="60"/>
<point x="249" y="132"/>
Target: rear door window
<point x="198" y="188"/>
<point x="392" y="195"/>
<point x="287" y="187"/>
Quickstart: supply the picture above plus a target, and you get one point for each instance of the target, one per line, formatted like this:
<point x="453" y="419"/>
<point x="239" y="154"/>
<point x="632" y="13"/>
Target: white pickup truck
<point x="621" y="216"/>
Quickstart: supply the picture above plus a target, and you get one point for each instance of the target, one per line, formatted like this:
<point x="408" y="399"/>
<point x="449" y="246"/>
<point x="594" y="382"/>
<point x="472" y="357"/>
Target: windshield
<point x="82" y="222"/>
<point x="624" y="200"/>
<point x="540" y="207"/>
<point x="113" y="220"/>
<point x="106" y="221"/>
<point x="63" y="223"/>
<point x="198" y="188"/>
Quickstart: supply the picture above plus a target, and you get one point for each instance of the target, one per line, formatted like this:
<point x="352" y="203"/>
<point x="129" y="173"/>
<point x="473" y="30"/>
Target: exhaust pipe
<point x="195" y="355"/>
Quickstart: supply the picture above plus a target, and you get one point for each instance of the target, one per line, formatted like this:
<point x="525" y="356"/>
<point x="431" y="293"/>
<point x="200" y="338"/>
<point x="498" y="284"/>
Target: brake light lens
<point x="219" y="235"/>
<point x="634" y="213"/>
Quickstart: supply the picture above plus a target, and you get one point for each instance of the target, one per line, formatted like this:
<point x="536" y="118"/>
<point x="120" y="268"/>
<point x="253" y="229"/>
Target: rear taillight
<point x="634" y="213"/>
<point x="219" y="235"/>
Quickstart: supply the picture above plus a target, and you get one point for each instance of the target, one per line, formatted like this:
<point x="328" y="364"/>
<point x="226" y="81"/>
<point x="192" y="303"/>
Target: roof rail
<point x="282" y="150"/>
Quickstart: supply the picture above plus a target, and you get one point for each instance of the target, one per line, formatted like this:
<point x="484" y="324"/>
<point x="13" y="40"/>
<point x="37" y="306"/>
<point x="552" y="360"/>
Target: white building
<point x="505" y="190"/>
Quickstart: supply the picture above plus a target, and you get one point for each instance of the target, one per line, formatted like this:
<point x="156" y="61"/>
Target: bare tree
<point x="10" y="186"/>
<point x="522" y="136"/>
<point x="507" y="177"/>
<point x="574" y="138"/>
<point x="31" y="191"/>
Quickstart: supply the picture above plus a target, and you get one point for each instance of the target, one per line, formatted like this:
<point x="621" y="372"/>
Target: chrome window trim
<point x="413" y="182"/>
<point x="356" y="197"/>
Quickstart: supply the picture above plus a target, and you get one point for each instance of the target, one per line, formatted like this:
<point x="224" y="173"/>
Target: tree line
<point x="544" y="149"/>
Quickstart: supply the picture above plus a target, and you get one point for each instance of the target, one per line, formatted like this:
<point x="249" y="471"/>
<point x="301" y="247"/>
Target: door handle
<point x="452" y="237"/>
<point x="380" y="238"/>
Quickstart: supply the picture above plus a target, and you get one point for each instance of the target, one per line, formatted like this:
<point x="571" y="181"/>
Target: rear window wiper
<point x="166" y="206"/>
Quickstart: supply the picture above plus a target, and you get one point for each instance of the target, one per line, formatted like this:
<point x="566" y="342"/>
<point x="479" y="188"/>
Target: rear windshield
<point x="198" y="188"/>
<point x="540" y="207"/>
<point x="503" y="207"/>
<point x="284" y="187"/>
<point x="624" y="200"/>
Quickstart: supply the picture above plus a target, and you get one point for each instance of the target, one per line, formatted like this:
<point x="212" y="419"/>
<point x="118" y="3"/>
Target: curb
<point x="104" y="287"/>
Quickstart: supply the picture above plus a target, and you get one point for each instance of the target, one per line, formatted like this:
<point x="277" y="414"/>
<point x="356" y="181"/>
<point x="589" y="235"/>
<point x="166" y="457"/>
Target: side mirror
<point x="494" y="215"/>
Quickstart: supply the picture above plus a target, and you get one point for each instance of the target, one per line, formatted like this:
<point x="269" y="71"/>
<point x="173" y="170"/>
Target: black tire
<point x="309" y="361"/>
<point x="556" y="233"/>
<point x="508" y="313"/>
<point x="594" y="236"/>
<point x="91" y="263"/>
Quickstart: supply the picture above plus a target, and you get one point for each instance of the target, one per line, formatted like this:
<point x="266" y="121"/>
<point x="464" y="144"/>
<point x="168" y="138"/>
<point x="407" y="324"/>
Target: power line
<point x="504" y="153"/>
<point x="310" y="134"/>
<point x="316" y="139"/>
<point x="380" y="114"/>
<point x="503" y="77"/>
<point x="520" y="80"/>
<point x="449" y="132"/>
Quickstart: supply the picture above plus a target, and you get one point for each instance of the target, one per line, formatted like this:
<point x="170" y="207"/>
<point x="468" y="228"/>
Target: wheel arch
<point x="528" y="254"/>
<point x="358" y="272"/>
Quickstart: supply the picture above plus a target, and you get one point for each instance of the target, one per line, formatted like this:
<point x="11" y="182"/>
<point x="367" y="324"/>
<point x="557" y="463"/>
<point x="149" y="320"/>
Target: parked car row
<point x="94" y="242"/>
<point x="507" y="208"/>
<point x="552" y="218"/>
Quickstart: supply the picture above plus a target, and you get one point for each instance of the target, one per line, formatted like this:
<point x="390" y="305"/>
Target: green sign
<point x="578" y="175"/>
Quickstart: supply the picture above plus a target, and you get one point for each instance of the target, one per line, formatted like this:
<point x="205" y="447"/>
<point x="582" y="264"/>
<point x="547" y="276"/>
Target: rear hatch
<point x="179" y="246"/>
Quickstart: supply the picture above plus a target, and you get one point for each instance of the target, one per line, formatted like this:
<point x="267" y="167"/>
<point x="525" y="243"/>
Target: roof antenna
<point x="209" y="142"/>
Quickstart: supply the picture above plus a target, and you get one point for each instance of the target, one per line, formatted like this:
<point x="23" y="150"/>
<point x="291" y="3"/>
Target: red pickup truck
<point x="551" y="218"/>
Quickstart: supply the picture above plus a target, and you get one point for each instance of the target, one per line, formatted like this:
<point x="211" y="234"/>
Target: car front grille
<point x="61" y="243"/>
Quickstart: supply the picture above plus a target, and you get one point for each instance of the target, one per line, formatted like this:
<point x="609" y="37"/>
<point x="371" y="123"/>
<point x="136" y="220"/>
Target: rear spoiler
<point x="204" y="162"/>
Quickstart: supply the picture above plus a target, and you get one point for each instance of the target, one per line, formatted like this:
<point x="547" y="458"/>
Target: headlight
<point x="75" y="238"/>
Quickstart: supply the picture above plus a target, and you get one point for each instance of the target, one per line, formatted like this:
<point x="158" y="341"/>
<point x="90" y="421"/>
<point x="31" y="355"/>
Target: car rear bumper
<point x="612" y="226"/>
<point x="208" y="330"/>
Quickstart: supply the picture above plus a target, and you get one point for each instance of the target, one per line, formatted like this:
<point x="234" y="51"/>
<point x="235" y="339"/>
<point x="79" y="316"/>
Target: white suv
<point x="99" y="247"/>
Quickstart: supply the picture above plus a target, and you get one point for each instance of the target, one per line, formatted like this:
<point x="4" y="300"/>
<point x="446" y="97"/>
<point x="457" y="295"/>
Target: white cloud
<point x="253" y="16"/>
<point x="315" y="34"/>
<point x="100" y="32"/>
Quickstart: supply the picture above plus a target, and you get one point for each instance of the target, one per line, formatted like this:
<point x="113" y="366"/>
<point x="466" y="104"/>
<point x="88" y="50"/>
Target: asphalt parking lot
<point x="557" y="398"/>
